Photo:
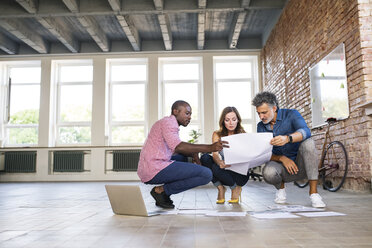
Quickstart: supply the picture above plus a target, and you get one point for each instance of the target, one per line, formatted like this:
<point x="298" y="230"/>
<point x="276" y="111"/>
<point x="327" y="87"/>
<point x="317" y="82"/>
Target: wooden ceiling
<point x="80" y="26"/>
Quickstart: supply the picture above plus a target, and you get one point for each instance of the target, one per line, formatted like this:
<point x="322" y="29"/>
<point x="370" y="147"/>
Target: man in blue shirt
<point x="293" y="151"/>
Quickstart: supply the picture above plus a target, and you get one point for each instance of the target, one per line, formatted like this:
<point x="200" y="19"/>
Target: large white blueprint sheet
<point x="247" y="150"/>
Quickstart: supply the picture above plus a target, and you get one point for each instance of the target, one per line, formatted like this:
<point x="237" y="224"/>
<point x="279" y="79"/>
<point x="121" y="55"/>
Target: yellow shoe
<point x="237" y="200"/>
<point x="220" y="201"/>
<point x="233" y="201"/>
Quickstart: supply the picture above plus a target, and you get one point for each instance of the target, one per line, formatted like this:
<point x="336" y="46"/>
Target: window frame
<point x="58" y="123"/>
<point x="6" y="114"/>
<point x="181" y="60"/>
<point x="111" y="123"/>
<point x="253" y="81"/>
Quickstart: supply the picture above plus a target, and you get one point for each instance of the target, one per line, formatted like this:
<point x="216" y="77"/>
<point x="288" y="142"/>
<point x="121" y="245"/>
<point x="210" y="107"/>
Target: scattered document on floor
<point x="194" y="211"/>
<point x="321" y="214"/>
<point x="247" y="150"/>
<point x="273" y="215"/>
<point x="294" y="208"/>
<point x="231" y="214"/>
<point x="169" y="212"/>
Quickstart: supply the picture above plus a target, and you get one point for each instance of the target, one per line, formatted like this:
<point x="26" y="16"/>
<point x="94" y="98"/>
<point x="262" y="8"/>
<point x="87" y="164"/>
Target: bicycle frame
<point x="327" y="140"/>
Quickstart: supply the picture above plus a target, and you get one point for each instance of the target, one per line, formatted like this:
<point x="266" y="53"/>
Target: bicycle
<point x="333" y="164"/>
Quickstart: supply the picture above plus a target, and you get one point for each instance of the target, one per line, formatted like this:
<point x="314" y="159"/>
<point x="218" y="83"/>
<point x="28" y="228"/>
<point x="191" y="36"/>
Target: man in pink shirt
<point x="155" y="165"/>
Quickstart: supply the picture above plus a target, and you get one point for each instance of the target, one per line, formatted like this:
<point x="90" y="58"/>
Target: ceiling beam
<point x="72" y="5"/>
<point x="159" y="5"/>
<point x="61" y="33"/>
<point x="58" y="30"/>
<point x="74" y="12"/>
<point x="202" y="4"/>
<point x="23" y="33"/>
<point x="95" y="31"/>
<point x="115" y="5"/>
<point x="245" y="3"/>
<point x="166" y="31"/>
<point x="8" y="45"/>
<point x="127" y="26"/>
<point x="236" y="27"/>
<point x="29" y="5"/>
<point x="164" y="25"/>
<point x="130" y="31"/>
<point x="91" y="25"/>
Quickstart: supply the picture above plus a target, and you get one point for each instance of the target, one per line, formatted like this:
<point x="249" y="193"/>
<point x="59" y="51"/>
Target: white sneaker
<point x="280" y="196"/>
<point x="316" y="201"/>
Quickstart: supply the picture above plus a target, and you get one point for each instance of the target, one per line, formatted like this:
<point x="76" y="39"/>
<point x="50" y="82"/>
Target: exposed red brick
<point x="306" y="32"/>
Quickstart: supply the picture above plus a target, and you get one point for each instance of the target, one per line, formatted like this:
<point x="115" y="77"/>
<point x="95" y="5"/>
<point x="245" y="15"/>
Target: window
<point x="180" y="79"/>
<point x="328" y="84"/>
<point x="235" y="85"/>
<point x="23" y="102"/>
<point x="74" y="102"/>
<point x="127" y="101"/>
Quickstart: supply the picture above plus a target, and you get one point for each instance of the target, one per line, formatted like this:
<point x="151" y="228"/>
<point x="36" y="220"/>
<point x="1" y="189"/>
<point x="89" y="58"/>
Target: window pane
<point x="128" y="102"/>
<point x="82" y="73"/>
<point x="74" y="135"/>
<point x="25" y="75"/>
<point x="129" y="134"/>
<point x="76" y="103"/>
<point x="233" y="70"/>
<point x="181" y="91"/>
<point x="185" y="132"/>
<point x="18" y="136"/>
<point x="181" y="71"/>
<point x="24" y="104"/>
<point x="237" y="94"/>
<point x="128" y="73"/>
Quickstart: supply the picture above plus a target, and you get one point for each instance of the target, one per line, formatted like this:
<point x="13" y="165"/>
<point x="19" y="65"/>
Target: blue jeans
<point x="181" y="176"/>
<point x="221" y="176"/>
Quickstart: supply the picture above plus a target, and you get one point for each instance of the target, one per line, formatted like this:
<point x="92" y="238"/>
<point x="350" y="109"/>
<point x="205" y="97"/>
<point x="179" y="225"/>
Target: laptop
<point x="127" y="200"/>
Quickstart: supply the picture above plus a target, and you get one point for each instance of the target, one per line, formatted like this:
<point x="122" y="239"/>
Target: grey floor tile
<point x="78" y="214"/>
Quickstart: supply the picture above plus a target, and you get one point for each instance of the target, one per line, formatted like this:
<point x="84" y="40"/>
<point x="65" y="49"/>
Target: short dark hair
<point x="265" y="97"/>
<point x="177" y="104"/>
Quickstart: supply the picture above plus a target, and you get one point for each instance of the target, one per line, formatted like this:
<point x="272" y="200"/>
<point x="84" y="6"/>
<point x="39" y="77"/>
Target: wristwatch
<point x="290" y="138"/>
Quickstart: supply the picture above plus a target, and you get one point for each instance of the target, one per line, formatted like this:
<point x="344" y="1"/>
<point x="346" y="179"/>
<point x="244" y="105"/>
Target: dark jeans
<point x="221" y="176"/>
<point x="181" y="176"/>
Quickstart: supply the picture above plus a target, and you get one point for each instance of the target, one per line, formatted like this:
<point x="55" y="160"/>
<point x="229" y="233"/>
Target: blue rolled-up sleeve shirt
<point x="288" y="121"/>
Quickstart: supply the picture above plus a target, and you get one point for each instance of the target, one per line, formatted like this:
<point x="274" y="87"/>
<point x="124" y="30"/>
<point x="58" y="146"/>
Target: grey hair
<point x="265" y="97"/>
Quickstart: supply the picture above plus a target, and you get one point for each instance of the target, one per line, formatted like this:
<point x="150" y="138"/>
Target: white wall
<point x="96" y="160"/>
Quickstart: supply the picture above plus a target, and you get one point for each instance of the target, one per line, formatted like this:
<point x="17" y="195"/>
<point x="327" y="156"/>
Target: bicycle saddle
<point x="331" y="120"/>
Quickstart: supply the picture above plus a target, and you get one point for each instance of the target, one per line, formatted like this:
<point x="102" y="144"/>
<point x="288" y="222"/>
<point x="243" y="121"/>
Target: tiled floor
<point x="79" y="215"/>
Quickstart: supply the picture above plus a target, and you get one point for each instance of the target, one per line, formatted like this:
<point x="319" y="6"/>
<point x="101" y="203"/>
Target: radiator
<point x="125" y="160"/>
<point x="19" y="162"/>
<point x="68" y="161"/>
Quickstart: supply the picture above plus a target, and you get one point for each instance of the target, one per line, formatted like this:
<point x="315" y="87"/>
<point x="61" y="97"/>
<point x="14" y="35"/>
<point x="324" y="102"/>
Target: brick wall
<point x="306" y="32"/>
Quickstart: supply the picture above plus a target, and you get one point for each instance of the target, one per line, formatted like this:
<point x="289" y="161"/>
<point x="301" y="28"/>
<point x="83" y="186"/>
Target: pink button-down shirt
<point x="158" y="148"/>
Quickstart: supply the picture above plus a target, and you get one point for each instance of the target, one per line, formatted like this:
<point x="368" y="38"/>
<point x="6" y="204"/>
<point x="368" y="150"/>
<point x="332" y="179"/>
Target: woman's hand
<point x="223" y="165"/>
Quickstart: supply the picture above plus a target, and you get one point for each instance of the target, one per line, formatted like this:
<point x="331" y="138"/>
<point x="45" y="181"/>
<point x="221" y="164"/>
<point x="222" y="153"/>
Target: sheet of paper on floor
<point x="321" y="214"/>
<point x="295" y="208"/>
<point x="273" y="215"/>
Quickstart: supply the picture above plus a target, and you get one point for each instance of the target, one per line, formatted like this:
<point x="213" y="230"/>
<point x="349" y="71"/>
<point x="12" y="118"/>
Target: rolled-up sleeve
<point x="300" y="125"/>
<point x="170" y="134"/>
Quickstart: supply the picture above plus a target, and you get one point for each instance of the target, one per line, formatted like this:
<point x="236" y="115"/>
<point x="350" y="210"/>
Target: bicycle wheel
<point x="334" y="166"/>
<point x="301" y="184"/>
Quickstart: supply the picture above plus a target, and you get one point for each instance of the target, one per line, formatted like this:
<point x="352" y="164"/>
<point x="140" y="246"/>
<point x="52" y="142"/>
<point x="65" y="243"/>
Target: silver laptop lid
<point x="126" y="200"/>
